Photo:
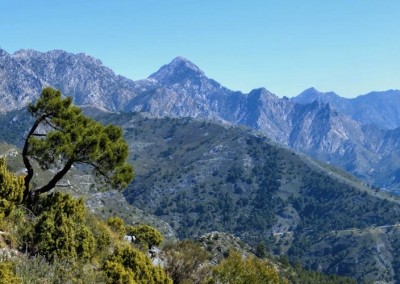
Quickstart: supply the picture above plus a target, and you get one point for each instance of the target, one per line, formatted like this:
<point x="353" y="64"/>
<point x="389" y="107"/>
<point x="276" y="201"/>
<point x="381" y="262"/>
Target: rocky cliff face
<point x="18" y="85"/>
<point x="80" y="76"/>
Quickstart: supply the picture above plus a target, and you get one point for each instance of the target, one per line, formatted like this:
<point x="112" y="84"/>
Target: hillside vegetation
<point x="193" y="177"/>
<point x="47" y="236"/>
<point x="60" y="242"/>
<point x="199" y="177"/>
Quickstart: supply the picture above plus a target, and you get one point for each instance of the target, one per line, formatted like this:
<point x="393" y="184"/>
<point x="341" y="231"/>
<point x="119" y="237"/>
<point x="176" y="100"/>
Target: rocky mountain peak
<point x="312" y="94"/>
<point x="311" y="90"/>
<point x="3" y="52"/>
<point x="261" y="92"/>
<point x="179" y="62"/>
<point x="309" y="95"/>
<point x="179" y="70"/>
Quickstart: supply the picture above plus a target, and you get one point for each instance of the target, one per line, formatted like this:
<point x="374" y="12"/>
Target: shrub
<point x="37" y="270"/>
<point x="117" y="225"/>
<point x="236" y="269"/>
<point x="129" y="265"/>
<point x="7" y="275"/>
<point x="60" y="231"/>
<point x="11" y="189"/>
<point x="145" y="235"/>
<point x="186" y="262"/>
<point x="102" y="234"/>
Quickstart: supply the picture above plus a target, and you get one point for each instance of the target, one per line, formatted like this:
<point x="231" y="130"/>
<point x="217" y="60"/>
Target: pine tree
<point x="62" y="136"/>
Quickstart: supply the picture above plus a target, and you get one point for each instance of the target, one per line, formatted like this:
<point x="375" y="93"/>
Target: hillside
<point x="194" y="177"/>
<point x="201" y="177"/>
<point x="217" y="246"/>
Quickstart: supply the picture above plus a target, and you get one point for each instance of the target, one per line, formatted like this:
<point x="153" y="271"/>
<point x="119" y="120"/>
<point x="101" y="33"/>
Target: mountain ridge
<point x="337" y="134"/>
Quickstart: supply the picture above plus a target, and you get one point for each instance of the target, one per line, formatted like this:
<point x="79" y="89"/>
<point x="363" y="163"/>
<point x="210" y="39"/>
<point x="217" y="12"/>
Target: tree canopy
<point x="62" y="136"/>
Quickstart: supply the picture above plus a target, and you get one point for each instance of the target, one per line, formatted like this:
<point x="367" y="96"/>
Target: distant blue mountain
<point x="381" y="109"/>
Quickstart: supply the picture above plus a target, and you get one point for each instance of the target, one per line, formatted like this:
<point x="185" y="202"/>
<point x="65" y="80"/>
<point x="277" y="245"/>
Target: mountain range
<point x="359" y="135"/>
<point x="209" y="158"/>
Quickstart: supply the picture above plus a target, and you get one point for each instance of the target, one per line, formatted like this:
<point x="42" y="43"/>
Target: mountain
<point x="200" y="176"/>
<point x="193" y="177"/>
<point x="201" y="254"/>
<point x="349" y="133"/>
<point x="80" y="76"/>
<point x="322" y="132"/>
<point x="310" y="95"/>
<point x="381" y="109"/>
<point x="183" y="90"/>
<point x="18" y="85"/>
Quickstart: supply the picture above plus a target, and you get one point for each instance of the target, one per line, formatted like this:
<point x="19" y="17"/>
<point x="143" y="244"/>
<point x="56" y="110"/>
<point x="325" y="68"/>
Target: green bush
<point x="145" y="235"/>
<point x="118" y="274"/>
<point x="60" y="231"/>
<point x="236" y="269"/>
<point x="102" y="234"/>
<point x="117" y="225"/>
<point x="11" y="189"/>
<point x="129" y="265"/>
<point x="7" y="275"/>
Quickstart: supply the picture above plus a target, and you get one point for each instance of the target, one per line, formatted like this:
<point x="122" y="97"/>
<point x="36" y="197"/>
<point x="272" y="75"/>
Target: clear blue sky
<point x="350" y="47"/>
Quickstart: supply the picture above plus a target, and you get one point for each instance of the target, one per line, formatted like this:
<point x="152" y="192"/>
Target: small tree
<point x="62" y="136"/>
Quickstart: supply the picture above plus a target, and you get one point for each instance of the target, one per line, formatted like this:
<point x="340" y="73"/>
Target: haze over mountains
<point x="359" y="135"/>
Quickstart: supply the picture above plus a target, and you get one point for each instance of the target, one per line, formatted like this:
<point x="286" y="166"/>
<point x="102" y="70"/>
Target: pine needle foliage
<point x="62" y="136"/>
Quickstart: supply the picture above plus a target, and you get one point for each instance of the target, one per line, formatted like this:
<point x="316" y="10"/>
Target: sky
<point x="350" y="47"/>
